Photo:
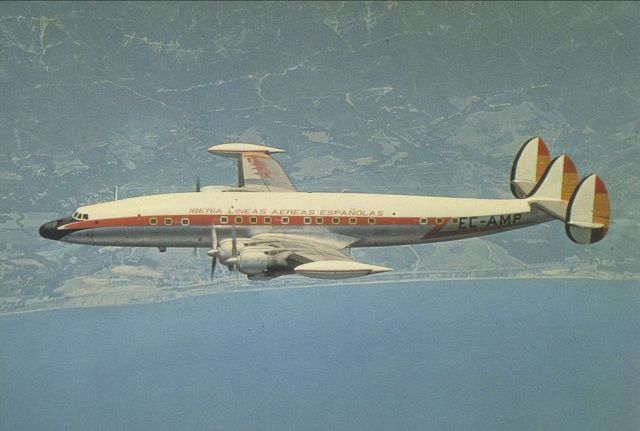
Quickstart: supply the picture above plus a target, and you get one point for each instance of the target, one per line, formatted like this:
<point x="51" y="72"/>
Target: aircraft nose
<point x="50" y="230"/>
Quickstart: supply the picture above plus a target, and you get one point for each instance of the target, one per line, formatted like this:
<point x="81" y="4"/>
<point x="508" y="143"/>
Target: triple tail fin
<point x="554" y="187"/>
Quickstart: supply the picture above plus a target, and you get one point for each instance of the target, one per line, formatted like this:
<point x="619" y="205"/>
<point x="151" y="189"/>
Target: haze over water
<point x="524" y="355"/>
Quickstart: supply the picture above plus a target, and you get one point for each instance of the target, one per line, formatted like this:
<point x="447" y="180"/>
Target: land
<point x="103" y="290"/>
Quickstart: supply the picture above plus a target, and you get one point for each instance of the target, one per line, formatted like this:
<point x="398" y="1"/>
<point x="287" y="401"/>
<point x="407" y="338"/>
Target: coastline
<point x="142" y="295"/>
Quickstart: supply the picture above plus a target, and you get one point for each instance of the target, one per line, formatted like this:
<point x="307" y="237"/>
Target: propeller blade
<point x="197" y="183"/>
<point x="234" y="250"/>
<point x="215" y="249"/>
<point x="234" y="243"/>
<point x="214" y="239"/>
<point x="214" y="260"/>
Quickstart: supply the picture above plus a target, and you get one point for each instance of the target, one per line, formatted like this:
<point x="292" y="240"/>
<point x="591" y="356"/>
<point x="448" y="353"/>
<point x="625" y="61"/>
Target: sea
<point x="456" y="355"/>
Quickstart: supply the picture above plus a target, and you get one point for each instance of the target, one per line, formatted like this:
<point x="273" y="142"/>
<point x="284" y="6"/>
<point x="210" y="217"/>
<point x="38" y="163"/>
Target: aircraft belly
<point x="169" y="236"/>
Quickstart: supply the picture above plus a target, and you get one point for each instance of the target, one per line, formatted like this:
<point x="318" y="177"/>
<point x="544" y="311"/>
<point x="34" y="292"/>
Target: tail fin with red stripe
<point x="589" y="211"/>
<point x="553" y="186"/>
<point x="529" y="166"/>
<point x="553" y="192"/>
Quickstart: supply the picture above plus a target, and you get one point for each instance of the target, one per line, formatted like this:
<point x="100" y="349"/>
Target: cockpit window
<point x="85" y="216"/>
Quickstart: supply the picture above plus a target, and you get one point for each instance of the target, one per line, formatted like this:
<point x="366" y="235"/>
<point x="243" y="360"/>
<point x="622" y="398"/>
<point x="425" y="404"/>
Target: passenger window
<point x="307" y="220"/>
<point x="319" y="220"/>
<point x="352" y="221"/>
<point x="372" y="221"/>
<point x="239" y="220"/>
<point x="423" y="221"/>
<point x="185" y="221"/>
<point x="168" y="221"/>
<point x="224" y="220"/>
<point x="267" y="220"/>
<point x="336" y="220"/>
<point x="455" y="220"/>
<point x="253" y="220"/>
<point x="285" y="220"/>
<point x="153" y="221"/>
<point x="439" y="220"/>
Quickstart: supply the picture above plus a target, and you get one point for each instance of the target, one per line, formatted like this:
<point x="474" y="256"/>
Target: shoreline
<point x="206" y="289"/>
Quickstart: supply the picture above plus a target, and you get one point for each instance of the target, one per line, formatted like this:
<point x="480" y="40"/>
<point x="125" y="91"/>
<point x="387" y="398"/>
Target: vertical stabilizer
<point x="589" y="211"/>
<point x="529" y="166"/>
<point x="555" y="188"/>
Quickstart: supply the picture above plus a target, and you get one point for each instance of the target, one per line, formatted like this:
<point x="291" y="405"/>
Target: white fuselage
<point x="363" y="220"/>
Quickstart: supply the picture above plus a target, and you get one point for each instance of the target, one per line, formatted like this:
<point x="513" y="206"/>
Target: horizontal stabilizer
<point x="586" y="225"/>
<point x="337" y="269"/>
<point x="589" y="211"/>
<point x="529" y="166"/>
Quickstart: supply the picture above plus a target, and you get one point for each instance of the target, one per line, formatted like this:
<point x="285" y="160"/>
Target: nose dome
<point x="50" y="230"/>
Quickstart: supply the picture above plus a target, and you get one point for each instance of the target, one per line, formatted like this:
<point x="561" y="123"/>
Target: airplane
<point x="265" y="228"/>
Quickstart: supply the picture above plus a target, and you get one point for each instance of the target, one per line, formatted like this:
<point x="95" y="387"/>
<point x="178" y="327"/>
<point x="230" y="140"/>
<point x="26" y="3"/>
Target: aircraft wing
<point x="314" y="257"/>
<point x="257" y="170"/>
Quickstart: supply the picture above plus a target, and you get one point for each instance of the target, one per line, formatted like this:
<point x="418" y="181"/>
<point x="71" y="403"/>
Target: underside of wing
<point x="308" y="256"/>
<point x="257" y="170"/>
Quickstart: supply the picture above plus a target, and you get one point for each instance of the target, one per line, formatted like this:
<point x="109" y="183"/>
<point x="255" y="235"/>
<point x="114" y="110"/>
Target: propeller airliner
<point x="264" y="228"/>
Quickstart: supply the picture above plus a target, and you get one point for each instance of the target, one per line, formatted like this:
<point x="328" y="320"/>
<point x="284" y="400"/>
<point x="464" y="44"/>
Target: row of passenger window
<point x="283" y="220"/>
<point x="265" y="220"/>
<point x="168" y="221"/>
<point x="439" y="220"/>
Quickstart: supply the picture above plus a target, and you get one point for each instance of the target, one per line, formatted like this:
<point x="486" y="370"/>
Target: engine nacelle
<point x="254" y="261"/>
<point x="251" y="262"/>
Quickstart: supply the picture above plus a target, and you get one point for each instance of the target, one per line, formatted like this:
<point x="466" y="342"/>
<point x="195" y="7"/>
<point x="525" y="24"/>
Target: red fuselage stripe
<point x="276" y="220"/>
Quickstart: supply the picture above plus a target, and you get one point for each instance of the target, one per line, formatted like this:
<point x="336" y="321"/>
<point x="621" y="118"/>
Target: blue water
<point x="523" y="355"/>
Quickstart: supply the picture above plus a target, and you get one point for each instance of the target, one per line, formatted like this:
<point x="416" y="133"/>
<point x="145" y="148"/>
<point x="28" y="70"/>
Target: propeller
<point x="232" y="262"/>
<point x="215" y="250"/>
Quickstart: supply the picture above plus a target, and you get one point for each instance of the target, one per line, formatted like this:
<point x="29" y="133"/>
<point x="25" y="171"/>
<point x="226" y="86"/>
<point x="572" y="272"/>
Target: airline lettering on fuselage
<point x="491" y="221"/>
<point x="289" y="211"/>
